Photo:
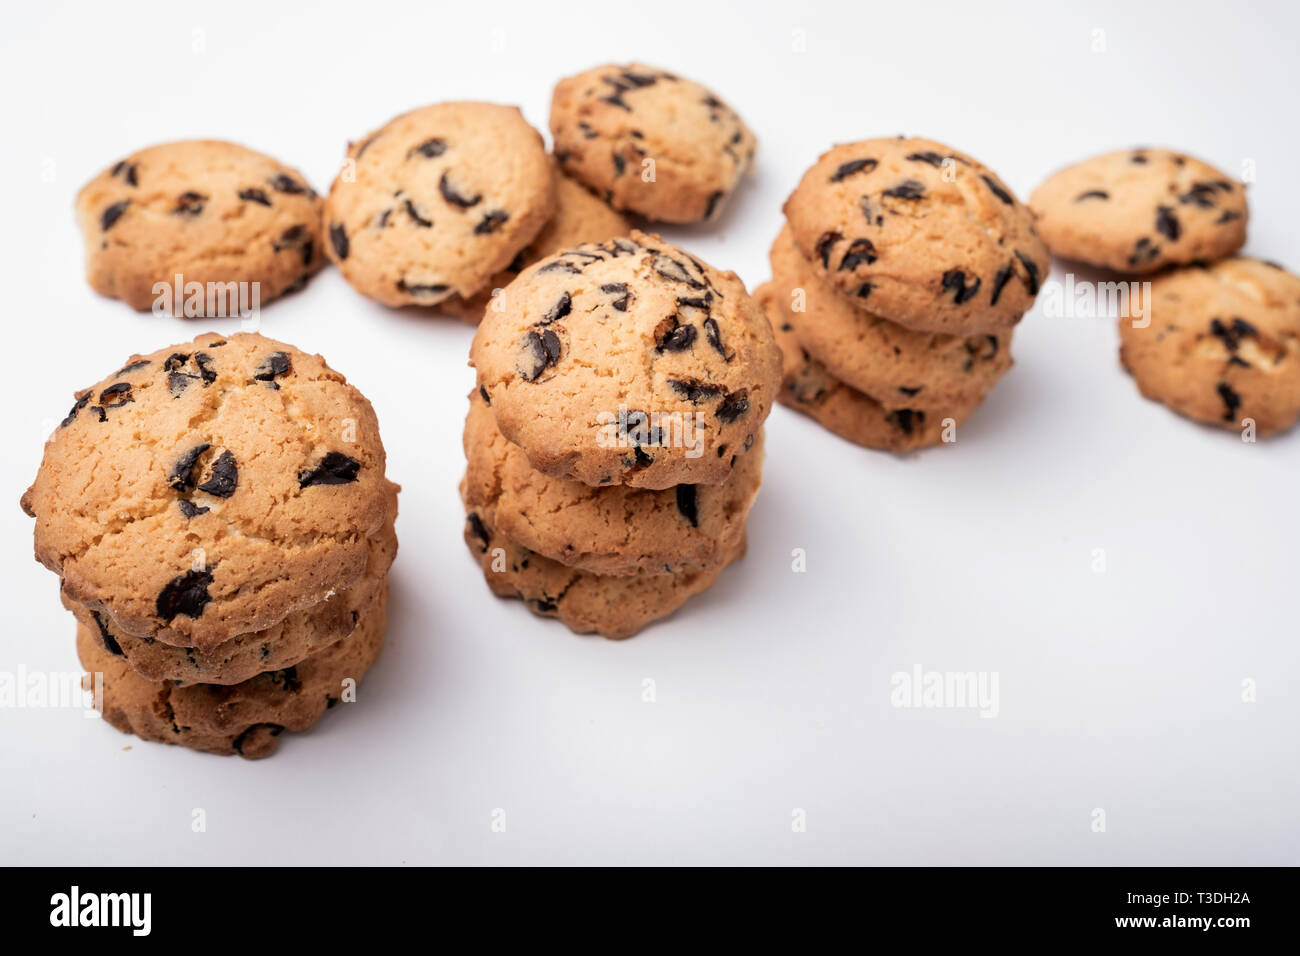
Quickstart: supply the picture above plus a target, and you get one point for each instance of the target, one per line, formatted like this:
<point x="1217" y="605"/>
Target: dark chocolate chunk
<point x="1144" y="251"/>
<point x="483" y="392"/>
<point x="1231" y="334"/>
<point x="846" y="170"/>
<point x="478" y="530"/>
<point x="72" y="412"/>
<point x="189" y="204"/>
<point x="674" y="271"/>
<point x="429" y="149"/>
<point x="274" y="366"/>
<point x="177" y="382"/>
<point x="255" y="195"/>
<point x="905" y="419"/>
<point x="934" y="159"/>
<point x="619" y="289"/>
<point x="1138" y="158"/>
<point x="863" y="290"/>
<point x="1228" y="215"/>
<point x="116" y="395"/>
<point x="620" y="164"/>
<point x="186" y="594"/>
<point x="1202" y="195"/>
<point x="712" y="207"/>
<point x="694" y="391"/>
<point x="860" y="251"/>
<point x="454" y="197"/>
<point x="688" y="505"/>
<point x="132" y="367"/>
<point x="824" y="245"/>
<point x="907" y="189"/>
<point x="562" y="307"/>
<point x="335" y="468"/>
<point x="181" y="476"/>
<point x="1000" y="279"/>
<point x="491" y="222"/>
<point x="112" y="214"/>
<point x="998" y="190"/>
<point x="415" y="215"/>
<point x="1031" y="277"/>
<point x="954" y="281"/>
<point x="713" y="335"/>
<point x="126" y="171"/>
<point x="189" y="509"/>
<point x="1092" y="194"/>
<point x="418" y="289"/>
<point x="110" y="642"/>
<point x="339" y="240"/>
<point x="287" y="184"/>
<point x="673" y="337"/>
<point x="1231" y="401"/>
<point x="911" y="392"/>
<point x="541" y="351"/>
<point x="734" y="404"/>
<point x="1167" y="223"/>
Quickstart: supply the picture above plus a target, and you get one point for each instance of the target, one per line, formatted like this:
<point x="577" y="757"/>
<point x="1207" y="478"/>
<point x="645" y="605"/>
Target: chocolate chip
<point x="1232" y="333"/>
<point x="589" y="133"/>
<point x="206" y="371"/>
<point x="116" y="395"/>
<point x="1202" y="195"/>
<point x="562" y="307"/>
<point x="1231" y="401"/>
<point x="415" y="215"/>
<point x="1144" y="251"/>
<point x="713" y="335"/>
<point x="181" y="475"/>
<point x="620" y="164"/>
<point x="1227" y="216"/>
<point x="1138" y="158"/>
<point x="694" y="391"/>
<point x="860" y="251"/>
<point x="1167" y="223"/>
<point x="450" y="194"/>
<point x="934" y="159"/>
<point x="674" y="271"/>
<point x="675" y="337"/>
<point x="541" y="350"/>
<point x="911" y="392"/>
<point x="72" y="413"/>
<point x="126" y="171"/>
<point x="131" y="367"/>
<point x="177" y="382"/>
<point x="619" y="289"/>
<point x="286" y="679"/>
<point x="339" y="240"/>
<point x="1031" y="278"/>
<point x="733" y="406"/>
<point x="478" y="530"/>
<point x="1000" y="279"/>
<point x="189" y="509"/>
<point x="906" y="419"/>
<point x="419" y="290"/>
<point x="1092" y="194"/>
<point x="863" y="290"/>
<point x="335" y="468"/>
<point x="998" y="190"/>
<point x="491" y="222"/>
<point x="186" y="594"/>
<point x="429" y="149"/>
<point x="688" y="505"/>
<point x="907" y="189"/>
<point x="110" y="642"/>
<point x="825" y="243"/>
<point x="112" y="214"/>
<point x="712" y="207"/>
<point x="255" y="195"/>
<point x="483" y="393"/>
<point x="274" y="366"/>
<point x="286" y="184"/>
<point x="872" y="217"/>
<point x="189" y="204"/>
<point x="846" y="170"/>
<point x="954" y="281"/>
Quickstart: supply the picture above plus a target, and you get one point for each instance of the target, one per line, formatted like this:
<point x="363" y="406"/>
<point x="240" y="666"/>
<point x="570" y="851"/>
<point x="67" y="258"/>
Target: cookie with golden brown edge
<point x="808" y="388"/>
<point x="1139" y="210"/>
<point x="208" y="489"/>
<point x="579" y="217"/>
<point x="245" y="718"/>
<point x="614" y="606"/>
<point x="437" y="201"/>
<point x="889" y="363"/>
<point x="610" y="530"/>
<point x="1222" y="346"/>
<point x="631" y="333"/>
<point x="210" y="211"/>
<point x="649" y="141"/>
<point x="915" y="232"/>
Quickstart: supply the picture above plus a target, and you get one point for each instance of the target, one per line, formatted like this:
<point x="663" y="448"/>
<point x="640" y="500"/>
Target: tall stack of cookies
<point x="220" y="519"/>
<point x="900" y="273"/>
<point x="614" y="439"/>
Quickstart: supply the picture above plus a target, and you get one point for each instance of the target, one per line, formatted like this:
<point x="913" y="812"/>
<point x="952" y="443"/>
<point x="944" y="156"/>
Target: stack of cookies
<point x="614" y="440"/>
<point x="900" y="273"/>
<point x="220" y="520"/>
<point x="1216" y="337"/>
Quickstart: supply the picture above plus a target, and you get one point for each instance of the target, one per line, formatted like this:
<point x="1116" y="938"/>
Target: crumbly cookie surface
<point x="649" y="141"/>
<point x="920" y="234"/>
<point x="210" y="488"/>
<point x="437" y="201"/>
<point x="211" y="211"/>
<point x="1223" y="344"/>
<point x="1139" y="210"/>
<point x="607" y="357"/>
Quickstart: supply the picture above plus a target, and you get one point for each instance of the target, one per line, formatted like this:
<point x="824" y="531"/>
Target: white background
<point x="1118" y="690"/>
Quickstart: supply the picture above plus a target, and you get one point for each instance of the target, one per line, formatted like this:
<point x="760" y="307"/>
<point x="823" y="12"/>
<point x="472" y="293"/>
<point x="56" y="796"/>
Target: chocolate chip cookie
<point x="889" y="363"/>
<point x="438" y="201"/>
<point x="650" y="142"/>
<point x="628" y="362"/>
<point x="917" y="233"/>
<point x="579" y="217"/>
<point x="245" y="718"/>
<point x="209" y="489"/>
<point x="1223" y="344"/>
<point x="1139" y="210"/>
<point x="211" y="212"/>
<point x="611" y="530"/>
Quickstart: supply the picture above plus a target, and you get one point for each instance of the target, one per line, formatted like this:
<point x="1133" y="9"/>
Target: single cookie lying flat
<point x="211" y="212"/>
<point x="629" y="362"/>
<point x="920" y="234"/>
<point x="1139" y="210"/>
<point x="1223" y="344"/>
<point x="437" y="201"/>
<point x="649" y="141"/>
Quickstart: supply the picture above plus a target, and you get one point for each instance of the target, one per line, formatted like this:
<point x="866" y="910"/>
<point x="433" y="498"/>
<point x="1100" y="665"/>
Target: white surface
<point x="1119" y="690"/>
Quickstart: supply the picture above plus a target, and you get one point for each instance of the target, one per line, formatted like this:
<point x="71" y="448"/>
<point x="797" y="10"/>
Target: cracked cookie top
<point x="437" y="201"/>
<point x="649" y="141"/>
<point x="1139" y="210"/>
<point x="208" y="489"/>
<point x="628" y="362"/>
<point x="210" y="211"/>
<point x="920" y="234"/>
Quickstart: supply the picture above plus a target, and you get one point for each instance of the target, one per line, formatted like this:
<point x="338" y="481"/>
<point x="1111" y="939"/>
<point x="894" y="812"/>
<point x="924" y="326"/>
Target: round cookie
<point x="294" y="638"/>
<point x="920" y="234"/>
<point x="650" y="142"/>
<point x="246" y="718"/>
<point x="438" y="201"/>
<point x="809" y="388"/>
<point x="579" y="217"/>
<point x="612" y="606"/>
<point x="208" y="489"/>
<point x="1139" y="210"/>
<point x="209" y="211"/>
<point x="1223" y="344"/>
<point x="890" y="363"/>
<point x="611" y="530"/>
<point x="605" y="356"/>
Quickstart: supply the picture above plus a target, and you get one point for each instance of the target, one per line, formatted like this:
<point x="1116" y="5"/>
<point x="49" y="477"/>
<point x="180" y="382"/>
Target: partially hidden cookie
<point x="1222" y="346"/>
<point x="649" y="141"/>
<point x="920" y="234"/>
<point x="438" y="201"/>
<point x="579" y="217"/>
<point x="610" y="530"/>
<point x="617" y="362"/>
<point x="210" y="212"/>
<point x="1139" y="210"/>
<point x="246" y="718"/>
<point x="808" y="388"/>
<point x="614" y="606"/>
<point x="208" y="489"/>
<point x="891" y="364"/>
<point x="294" y="638"/>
